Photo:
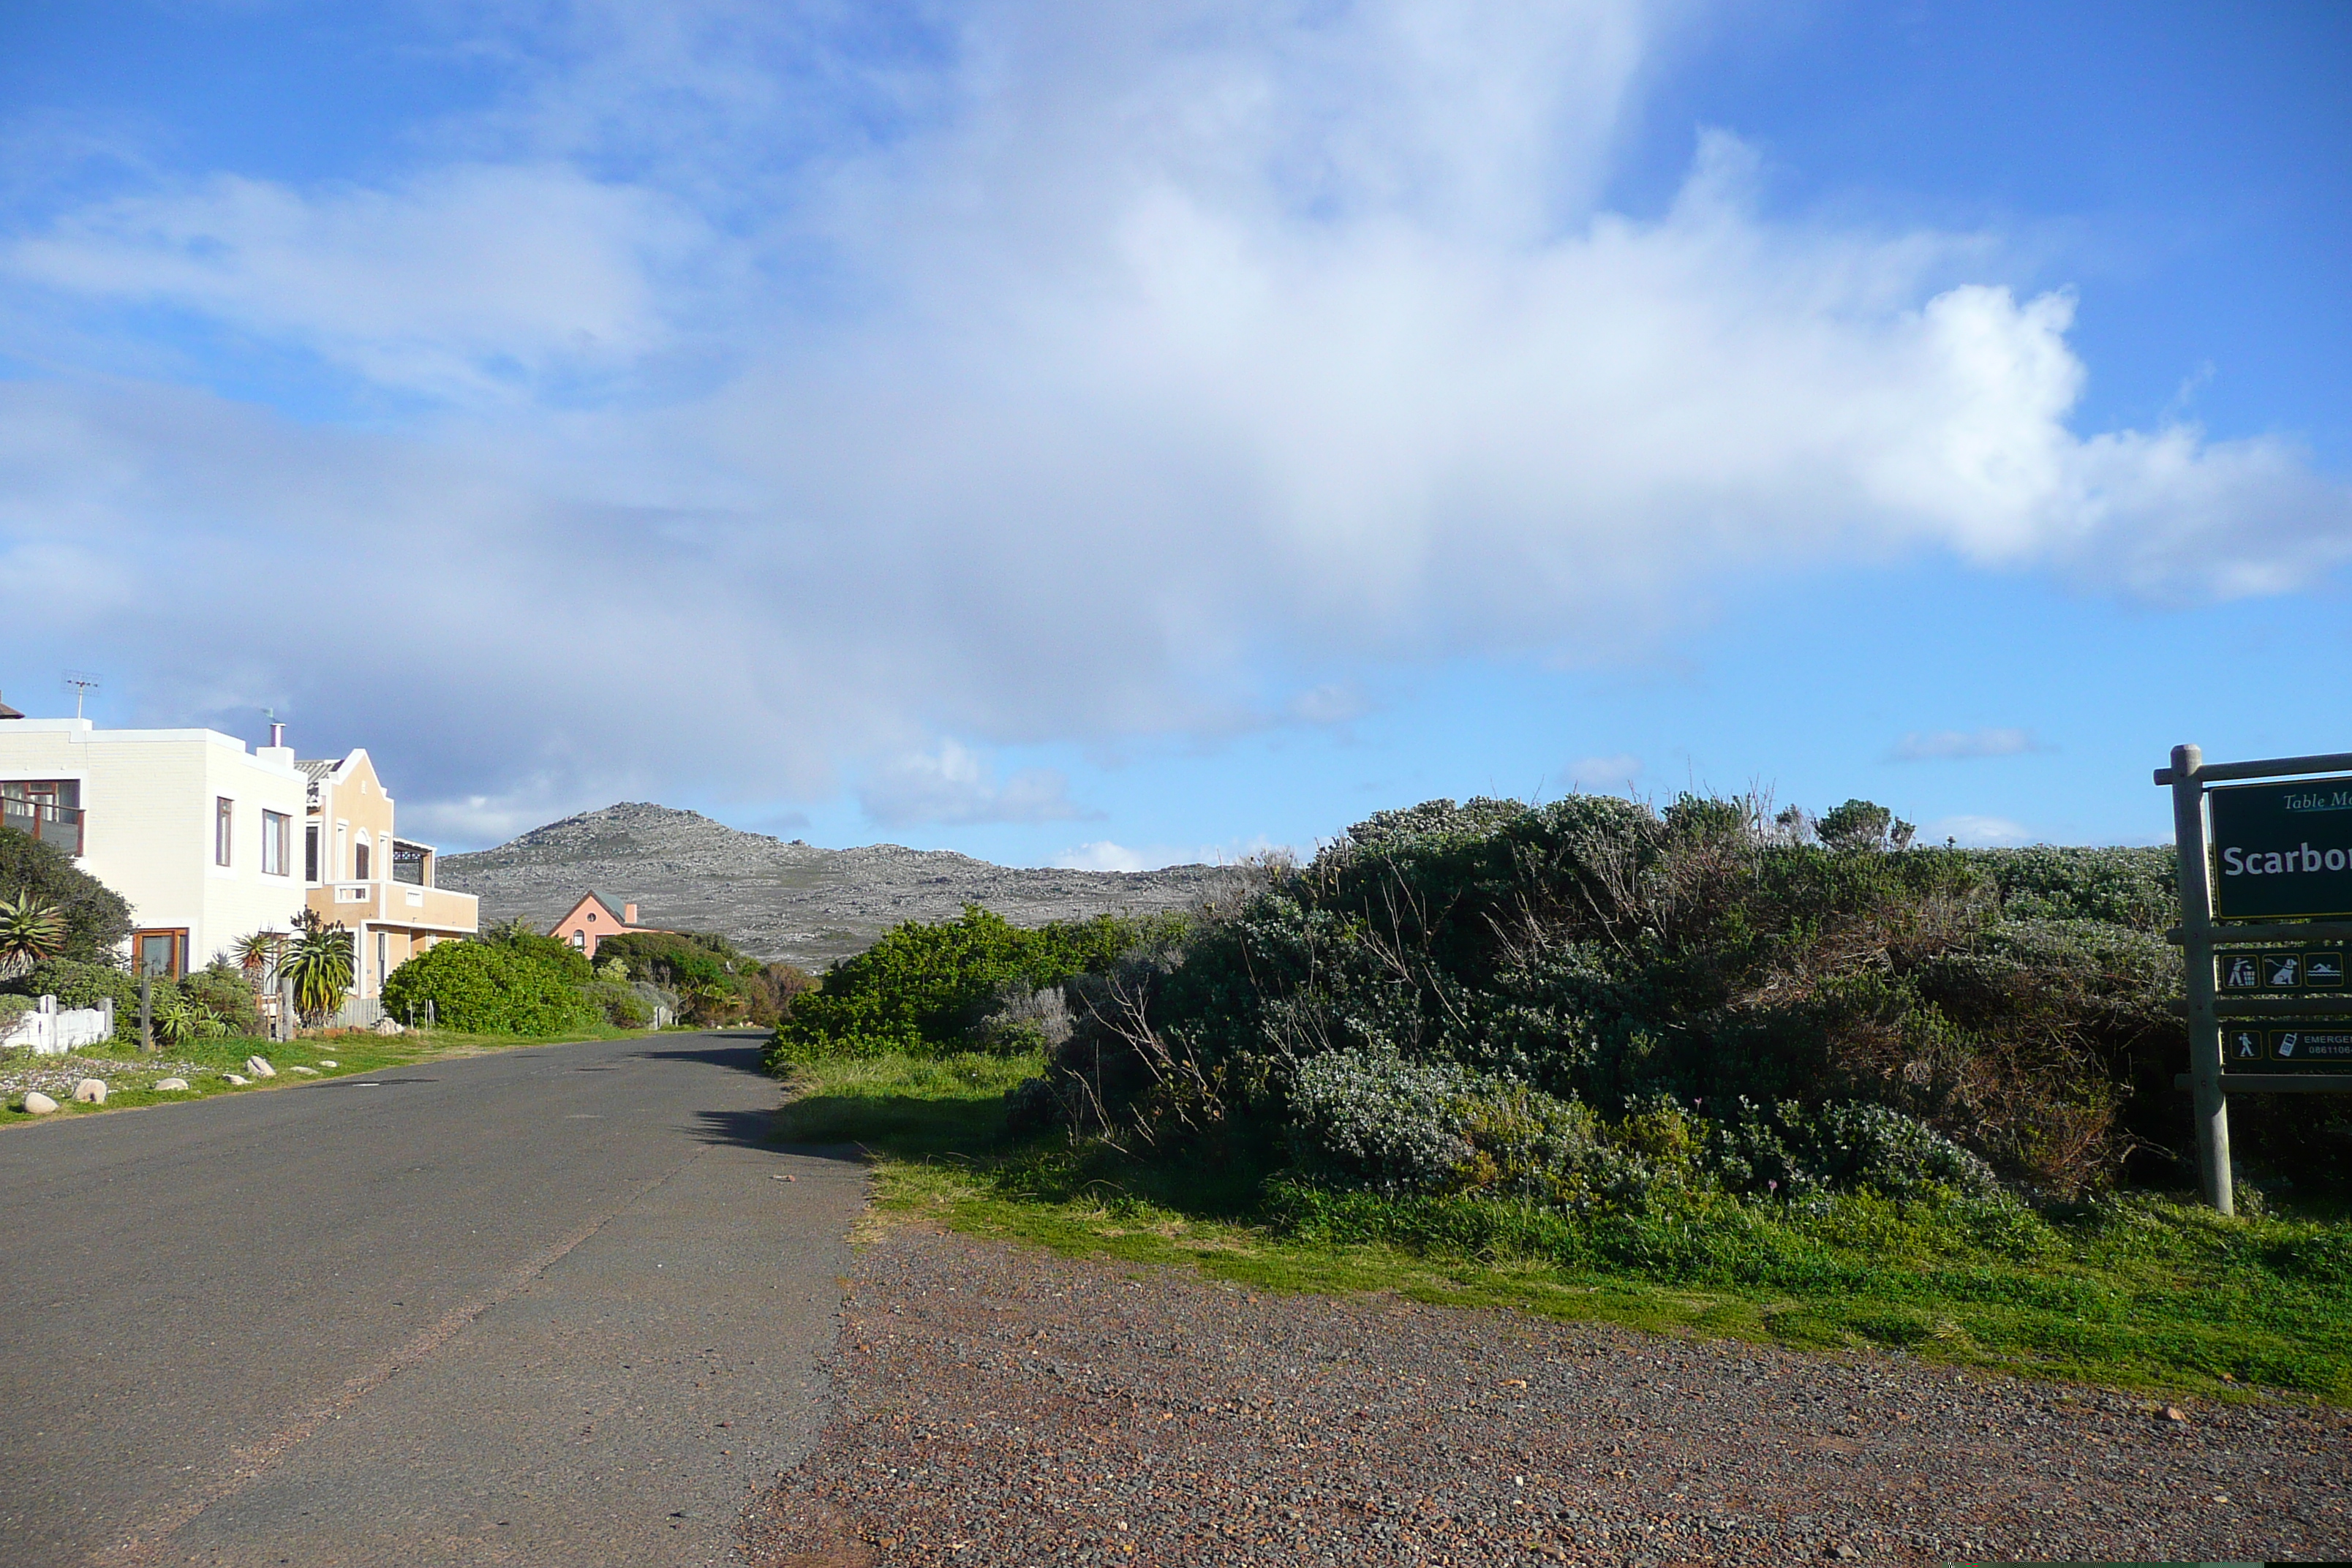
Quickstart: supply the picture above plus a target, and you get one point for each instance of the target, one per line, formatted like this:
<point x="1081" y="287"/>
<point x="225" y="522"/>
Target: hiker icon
<point x="2283" y="970"/>
<point x="2248" y="1043"/>
<point x="2240" y="975"/>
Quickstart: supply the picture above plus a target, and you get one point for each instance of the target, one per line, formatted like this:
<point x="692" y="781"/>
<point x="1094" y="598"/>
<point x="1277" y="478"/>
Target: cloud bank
<point x="781" y="401"/>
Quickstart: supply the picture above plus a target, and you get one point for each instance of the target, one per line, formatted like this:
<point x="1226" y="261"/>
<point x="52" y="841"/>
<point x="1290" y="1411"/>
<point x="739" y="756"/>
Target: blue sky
<point x="1105" y="438"/>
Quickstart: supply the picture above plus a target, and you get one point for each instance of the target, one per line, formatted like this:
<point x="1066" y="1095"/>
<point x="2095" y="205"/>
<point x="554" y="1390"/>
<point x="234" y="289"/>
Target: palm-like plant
<point x="31" y="930"/>
<point x="319" y="963"/>
<point x="258" y="955"/>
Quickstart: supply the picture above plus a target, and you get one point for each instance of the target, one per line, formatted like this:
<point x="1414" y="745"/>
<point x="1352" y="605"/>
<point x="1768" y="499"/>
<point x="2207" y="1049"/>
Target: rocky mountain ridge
<point x="785" y="898"/>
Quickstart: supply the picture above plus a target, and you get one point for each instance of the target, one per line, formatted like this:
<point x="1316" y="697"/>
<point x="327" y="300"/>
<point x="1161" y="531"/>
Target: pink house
<point x="592" y="918"/>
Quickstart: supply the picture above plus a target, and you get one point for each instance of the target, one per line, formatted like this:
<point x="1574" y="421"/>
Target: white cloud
<point x="954" y="784"/>
<point x="790" y="396"/>
<point x="1975" y="832"/>
<point x="1103" y="855"/>
<point x="1604" y="773"/>
<point x="1954" y="745"/>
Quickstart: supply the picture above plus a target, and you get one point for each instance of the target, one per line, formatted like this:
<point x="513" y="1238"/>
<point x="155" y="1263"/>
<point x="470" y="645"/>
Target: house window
<point x="311" y="853"/>
<point x="223" y="826"/>
<point x="360" y="871"/>
<point x="45" y="809"/>
<point x="274" y="832"/>
<point x="580" y="939"/>
<point x="161" y="953"/>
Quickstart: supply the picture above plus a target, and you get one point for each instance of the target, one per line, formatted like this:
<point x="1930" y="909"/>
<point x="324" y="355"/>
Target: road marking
<point x="252" y="1461"/>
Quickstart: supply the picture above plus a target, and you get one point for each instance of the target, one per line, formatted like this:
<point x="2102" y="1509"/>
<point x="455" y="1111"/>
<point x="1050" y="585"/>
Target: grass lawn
<point x="2146" y="1291"/>
<point x="205" y="1064"/>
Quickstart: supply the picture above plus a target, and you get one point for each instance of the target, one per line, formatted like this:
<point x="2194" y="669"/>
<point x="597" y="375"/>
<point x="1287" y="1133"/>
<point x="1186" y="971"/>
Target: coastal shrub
<point x="1914" y="1019"/>
<point x="1363" y="1121"/>
<point x="709" y="979"/>
<point x="488" y="988"/>
<point x="96" y="918"/>
<point x="76" y="982"/>
<point x="224" y="998"/>
<point x="924" y="987"/>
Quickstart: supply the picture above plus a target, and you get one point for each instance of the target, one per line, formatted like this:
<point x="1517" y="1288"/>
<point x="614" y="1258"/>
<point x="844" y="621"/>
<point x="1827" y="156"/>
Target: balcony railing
<point x="56" y="825"/>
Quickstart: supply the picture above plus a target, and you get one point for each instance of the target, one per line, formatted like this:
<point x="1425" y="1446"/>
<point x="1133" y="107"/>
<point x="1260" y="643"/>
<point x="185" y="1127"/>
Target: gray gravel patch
<point x="1001" y="1405"/>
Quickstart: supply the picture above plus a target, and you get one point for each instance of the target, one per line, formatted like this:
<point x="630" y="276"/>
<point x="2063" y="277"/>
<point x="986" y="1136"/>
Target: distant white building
<point x="210" y="842"/>
<point x="202" y="837"/>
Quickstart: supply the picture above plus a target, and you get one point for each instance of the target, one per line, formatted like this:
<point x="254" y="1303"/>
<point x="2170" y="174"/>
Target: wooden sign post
<point x="2265" y="916"/>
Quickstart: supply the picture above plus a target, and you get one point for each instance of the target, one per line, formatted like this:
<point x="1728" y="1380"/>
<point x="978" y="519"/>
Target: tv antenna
<point x="82" y="683"/>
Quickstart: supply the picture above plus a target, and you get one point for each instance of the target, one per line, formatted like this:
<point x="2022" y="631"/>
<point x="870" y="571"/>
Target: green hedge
<point x="922" y="986"/>
<point x="486" y="988"/>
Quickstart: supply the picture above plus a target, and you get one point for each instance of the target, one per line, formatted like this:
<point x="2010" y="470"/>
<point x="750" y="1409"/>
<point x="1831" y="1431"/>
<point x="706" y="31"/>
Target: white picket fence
<point x="52" y="1033"/>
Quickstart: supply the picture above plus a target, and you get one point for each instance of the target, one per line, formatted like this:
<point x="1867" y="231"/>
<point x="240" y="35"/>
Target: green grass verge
<point x="357" y="1052"/>
<point x="2149" y="1292"/>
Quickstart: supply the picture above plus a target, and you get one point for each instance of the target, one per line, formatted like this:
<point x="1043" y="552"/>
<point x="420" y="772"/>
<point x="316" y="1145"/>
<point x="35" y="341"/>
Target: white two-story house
<point x="210" y="842"/>
<point x="200" y="835"/>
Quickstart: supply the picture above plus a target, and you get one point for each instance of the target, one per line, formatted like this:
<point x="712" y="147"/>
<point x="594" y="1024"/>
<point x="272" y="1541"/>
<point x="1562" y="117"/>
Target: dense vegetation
<point x="95" y="917"/>
<point x="1777" y="1074"/>
<point x="714" y="981"/>
<point x="1588" y="1001"/>
<point x="977" y="980"/>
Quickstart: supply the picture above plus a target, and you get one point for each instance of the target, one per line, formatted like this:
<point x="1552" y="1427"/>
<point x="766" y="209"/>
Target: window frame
<point x="275" y="840"/>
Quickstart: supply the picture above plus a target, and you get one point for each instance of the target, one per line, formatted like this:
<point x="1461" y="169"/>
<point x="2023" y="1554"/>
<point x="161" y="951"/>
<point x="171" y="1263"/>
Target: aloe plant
<point x="31" y="930"/>
<point x="319" y="962"/>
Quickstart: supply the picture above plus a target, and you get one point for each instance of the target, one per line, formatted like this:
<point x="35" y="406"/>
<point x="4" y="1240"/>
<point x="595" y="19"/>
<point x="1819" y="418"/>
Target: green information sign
<point x="2281" y="851"/>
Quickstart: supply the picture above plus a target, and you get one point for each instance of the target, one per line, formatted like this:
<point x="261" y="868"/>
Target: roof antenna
<point x="83" y="683"/>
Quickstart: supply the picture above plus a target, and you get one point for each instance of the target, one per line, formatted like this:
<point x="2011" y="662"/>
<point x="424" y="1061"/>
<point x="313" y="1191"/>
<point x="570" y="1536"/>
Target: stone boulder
<point x="237" y="1079"/>
<point x="173" y="1083"/>
<point x="389" y="1027"/>
<point x="306" y="1072"/>
<point x="259" y="1066"/>
<point x="90" y="1091"/>
<point x="38" y="1104"/>
<point x="325" y="1062"/>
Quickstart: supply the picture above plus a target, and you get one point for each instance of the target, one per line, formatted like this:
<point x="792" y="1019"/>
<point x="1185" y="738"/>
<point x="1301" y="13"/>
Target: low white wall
<point x="51" y="1033"/>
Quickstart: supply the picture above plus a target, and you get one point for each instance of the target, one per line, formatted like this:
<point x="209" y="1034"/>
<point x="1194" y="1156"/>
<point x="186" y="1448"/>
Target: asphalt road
<point x="550" y="1305"/>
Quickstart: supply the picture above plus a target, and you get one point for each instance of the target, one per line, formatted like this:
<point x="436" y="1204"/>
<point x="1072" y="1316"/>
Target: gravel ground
<point x="1000" y="1404"/>
<point x="56" y="1076"/>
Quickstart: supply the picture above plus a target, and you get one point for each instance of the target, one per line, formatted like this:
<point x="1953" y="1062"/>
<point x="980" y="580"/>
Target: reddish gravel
<point x="1000" y="1404"/>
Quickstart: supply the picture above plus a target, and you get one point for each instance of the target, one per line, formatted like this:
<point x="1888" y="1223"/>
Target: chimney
<point x="628" y="914"/>
<point x="276" y="735"/>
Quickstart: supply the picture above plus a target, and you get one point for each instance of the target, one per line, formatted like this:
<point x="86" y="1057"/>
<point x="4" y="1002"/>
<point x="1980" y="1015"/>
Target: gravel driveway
<point x="1000" y="1404"/>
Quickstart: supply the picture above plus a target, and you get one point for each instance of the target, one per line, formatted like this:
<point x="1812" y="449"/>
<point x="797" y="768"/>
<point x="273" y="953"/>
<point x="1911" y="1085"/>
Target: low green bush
<point x="490" y="988"/>
<point x="928" y="987"/>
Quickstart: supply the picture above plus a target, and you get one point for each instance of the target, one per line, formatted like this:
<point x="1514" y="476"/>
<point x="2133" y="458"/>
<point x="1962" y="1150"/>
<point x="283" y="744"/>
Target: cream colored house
<point x="361" y="872"/>
<point x="210" y="842"/>
<point x="199" y="835"/>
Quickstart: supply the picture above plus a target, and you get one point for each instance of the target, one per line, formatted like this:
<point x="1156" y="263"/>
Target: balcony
<point x="56" y="825"/>
<point x="397" y="903"/>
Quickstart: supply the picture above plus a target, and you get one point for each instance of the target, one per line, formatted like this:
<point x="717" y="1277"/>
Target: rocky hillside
<point x="780" y="899"/>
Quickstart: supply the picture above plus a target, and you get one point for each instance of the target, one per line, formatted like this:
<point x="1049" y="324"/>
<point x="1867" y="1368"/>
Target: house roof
<point x="317" y="768"/>
<point x="8" y="712"/>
